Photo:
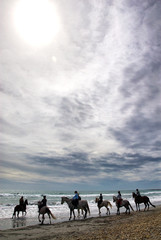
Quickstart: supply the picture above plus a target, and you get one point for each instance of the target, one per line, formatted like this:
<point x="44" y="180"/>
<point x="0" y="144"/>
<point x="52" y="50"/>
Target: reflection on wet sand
<point x="18" y="222"/>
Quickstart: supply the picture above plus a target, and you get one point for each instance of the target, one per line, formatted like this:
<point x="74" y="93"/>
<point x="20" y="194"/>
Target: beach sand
<point x="138" y="225"/>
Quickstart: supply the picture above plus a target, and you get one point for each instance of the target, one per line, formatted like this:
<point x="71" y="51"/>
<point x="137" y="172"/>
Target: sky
<point x="80" y="94"/>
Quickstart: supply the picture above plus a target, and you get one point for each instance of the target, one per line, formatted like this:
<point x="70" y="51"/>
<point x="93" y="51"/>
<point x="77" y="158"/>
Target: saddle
<point x="119" y="201"/>
<point x="75" y="202"/>
<point x="40" y="205"/>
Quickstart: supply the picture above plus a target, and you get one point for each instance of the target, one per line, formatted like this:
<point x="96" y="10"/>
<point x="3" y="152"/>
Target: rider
<point x="100" y="199"/>
<point x="21" y="202"/>
<point x="75" y="199"/>
<point x="138" y="193"/>
<point x="119" y="197"/>
<point x="43" y="202"/>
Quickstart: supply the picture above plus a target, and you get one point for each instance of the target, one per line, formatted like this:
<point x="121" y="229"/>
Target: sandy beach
<point x="138" y="225"/>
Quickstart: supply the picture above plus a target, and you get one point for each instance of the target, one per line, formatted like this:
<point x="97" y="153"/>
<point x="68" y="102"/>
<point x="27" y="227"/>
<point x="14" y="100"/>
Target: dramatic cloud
<point x="85" y="110"/>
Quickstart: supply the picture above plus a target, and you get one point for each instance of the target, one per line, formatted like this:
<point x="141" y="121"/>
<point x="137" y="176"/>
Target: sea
<point x="9" y="199"/>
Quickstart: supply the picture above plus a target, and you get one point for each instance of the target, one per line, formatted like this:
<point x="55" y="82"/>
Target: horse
<point x="20" y="208"/>
<point x="105" y="204"/>
<point x="43" y="210"/>
<point x="123" y="203"/>
<point x="142" y="199"/>
<point x="82" y="204"/>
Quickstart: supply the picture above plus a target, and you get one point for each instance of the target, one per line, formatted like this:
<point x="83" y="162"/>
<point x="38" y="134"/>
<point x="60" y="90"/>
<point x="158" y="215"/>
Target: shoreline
<point x="137" y="225"/>
<point x="28" y="220"/>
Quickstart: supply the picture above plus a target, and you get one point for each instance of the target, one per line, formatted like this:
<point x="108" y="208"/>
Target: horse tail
<point x="110" y="204"/>
<point x="152" y="204"/>
<point x="52" y="215"/>
<point x="131" y="207"/>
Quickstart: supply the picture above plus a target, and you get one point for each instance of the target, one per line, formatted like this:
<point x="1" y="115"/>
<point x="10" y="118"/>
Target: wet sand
<point x="136" y="226"/>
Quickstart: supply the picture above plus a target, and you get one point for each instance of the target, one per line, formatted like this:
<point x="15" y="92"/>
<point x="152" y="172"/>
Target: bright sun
<point x="36" y="21"/>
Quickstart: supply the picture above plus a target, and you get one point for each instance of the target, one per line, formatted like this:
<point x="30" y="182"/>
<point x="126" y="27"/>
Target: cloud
<point x="85" y="108"/>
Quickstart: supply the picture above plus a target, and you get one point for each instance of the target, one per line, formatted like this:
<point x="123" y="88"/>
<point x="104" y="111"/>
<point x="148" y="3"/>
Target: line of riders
<point x="75" y="200"/>
<point x="77" y="203"/>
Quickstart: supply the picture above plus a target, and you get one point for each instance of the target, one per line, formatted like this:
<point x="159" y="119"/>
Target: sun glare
<point x="36" y="21"/>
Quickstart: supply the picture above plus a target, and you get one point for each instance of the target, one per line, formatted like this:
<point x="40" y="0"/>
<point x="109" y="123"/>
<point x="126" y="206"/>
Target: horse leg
<point x="43" y="218"/>
<point x="85" y="212"/>
<point x="70" y="214"/>
<point x="118" y="211"/>
<point x="39" y="217"/>
<point x="72" y="211"/>
<point x="49" y="217"/>
<point x="99" y="211"/>
<point x="145" y="206"/>
<point x="108" y="211"/>
<point x="128" y="209"/>
<point x="136" y="207"/>
<point x="74" y="214"/>
<point x="82" y="211"/>
<point x="148" y="205"/>
<point x="13" y="213"/>
<point x="78" y="213"/>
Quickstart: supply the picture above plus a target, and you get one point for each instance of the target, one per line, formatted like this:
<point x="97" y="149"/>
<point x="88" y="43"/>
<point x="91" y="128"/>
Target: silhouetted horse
<point x="20" y="208"/>
<point x="141" y="199"/>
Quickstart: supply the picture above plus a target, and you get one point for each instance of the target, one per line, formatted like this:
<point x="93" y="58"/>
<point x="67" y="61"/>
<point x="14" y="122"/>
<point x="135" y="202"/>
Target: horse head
<point x="96" y="200"/>
<point x="62" y="200"/>
<point x="26" y="202"/>
<point x="133" y="194"/>
<point x="114" y="198"/>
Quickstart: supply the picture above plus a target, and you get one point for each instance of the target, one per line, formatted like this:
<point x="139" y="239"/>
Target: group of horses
<point x="84" y="207"/>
